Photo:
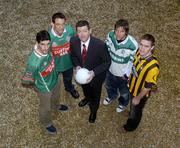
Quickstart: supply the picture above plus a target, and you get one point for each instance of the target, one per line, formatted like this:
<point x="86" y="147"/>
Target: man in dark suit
<point x="91" y="53"/>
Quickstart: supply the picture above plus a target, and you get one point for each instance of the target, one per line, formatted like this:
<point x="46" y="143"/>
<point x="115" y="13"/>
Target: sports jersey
<point x="40" y="71"/>
<point x="122" y="54"/>
<point x="144" y="74"/>
<point x="60" y="48"/>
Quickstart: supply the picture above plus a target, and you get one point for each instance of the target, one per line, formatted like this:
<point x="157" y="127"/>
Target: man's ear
<point x="90" y="30"/>
<point x="36" y="45"/>
<point x="52" y="24"/>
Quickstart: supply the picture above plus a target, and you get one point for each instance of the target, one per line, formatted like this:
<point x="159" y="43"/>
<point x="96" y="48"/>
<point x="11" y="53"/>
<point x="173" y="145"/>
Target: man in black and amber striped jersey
<point x="142" y="80"/>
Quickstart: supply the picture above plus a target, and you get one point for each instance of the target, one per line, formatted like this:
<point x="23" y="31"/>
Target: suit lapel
<point x="79" y="49"/>
<point x="90" y="49"/>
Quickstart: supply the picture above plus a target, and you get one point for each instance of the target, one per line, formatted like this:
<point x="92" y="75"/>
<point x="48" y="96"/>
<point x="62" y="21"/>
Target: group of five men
<point x="62" y="50"/>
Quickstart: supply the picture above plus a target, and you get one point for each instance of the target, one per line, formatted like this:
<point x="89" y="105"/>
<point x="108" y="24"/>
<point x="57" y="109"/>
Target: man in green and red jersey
<point x="60" y="36"/>
<point x="41" y="74"/>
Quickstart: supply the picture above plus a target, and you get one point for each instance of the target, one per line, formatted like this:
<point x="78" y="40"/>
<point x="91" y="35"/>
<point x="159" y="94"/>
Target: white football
<point x="82" y="75"/>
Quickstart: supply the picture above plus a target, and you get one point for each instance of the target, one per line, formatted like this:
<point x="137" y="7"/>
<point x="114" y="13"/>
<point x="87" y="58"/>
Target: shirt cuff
<point x="149" y="85"/>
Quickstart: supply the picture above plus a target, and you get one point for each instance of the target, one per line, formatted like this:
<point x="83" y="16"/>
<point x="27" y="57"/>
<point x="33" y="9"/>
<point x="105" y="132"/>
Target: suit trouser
<point x="48" y="101"/>
<point x="135" y="115"/>
<point x="92" y="93"/>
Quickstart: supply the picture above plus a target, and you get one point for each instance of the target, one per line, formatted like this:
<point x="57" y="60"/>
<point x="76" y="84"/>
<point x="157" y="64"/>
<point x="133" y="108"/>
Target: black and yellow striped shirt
<point x="144" y="74"/>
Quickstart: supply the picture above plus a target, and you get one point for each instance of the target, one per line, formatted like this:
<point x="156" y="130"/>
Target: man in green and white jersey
<point x="122" y="48"/>
<point x="41" y="74"/>
<point x="60" y="36"/>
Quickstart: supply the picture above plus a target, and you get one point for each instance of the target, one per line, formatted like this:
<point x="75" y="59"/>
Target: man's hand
<point x="125" y="77"/>
<point x="76" y="69"/>
<point x="91" y="73"/>
<point x="136" y="100"/>
<point x="30" y="85"/>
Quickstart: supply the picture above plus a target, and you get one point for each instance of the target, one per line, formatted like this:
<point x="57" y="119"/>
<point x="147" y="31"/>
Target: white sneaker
<point x="107" y="101"/>
<point x="120" y="108"/>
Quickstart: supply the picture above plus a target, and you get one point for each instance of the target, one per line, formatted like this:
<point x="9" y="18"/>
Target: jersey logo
<point x="49" y="69"/>
<point x="61" y="50"/>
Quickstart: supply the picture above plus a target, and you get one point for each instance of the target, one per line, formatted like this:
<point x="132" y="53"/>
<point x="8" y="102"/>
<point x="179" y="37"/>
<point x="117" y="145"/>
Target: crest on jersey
<point x="122" y="51"/>
<point x="45" y="63"/>
<point x="54" y="44"/>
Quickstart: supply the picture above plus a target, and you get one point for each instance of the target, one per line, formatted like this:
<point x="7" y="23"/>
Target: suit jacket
<point x="97" y="59"/>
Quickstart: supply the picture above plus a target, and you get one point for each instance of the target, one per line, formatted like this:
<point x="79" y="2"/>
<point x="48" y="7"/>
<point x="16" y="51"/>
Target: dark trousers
<point x="67" y="79"/>
<point x="135" y="115"/>
<point x="92" y="93"/>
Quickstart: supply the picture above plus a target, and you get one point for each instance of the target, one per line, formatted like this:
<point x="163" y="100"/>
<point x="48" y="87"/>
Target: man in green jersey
<point x="60" y="36"/>
<point x="40" y="73"/>
<point x="122" y="48"/>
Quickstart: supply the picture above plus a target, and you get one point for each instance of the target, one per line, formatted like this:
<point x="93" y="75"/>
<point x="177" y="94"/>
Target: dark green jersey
<point x="40" y="70"/>
<point x="60" y="48"/>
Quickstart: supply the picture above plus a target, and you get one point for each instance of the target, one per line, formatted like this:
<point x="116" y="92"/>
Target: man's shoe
<point x="120" y="108"/>
<point x="128" y="128"/>
<point x="107" y="101"/>
<point x="74" y="93"/>
<point x="92" y="117"/>
<point x="83" y="102"/>
<point x="51" y="129"/>
<point x="63" y="108"/>
<point x="122" y="130"/>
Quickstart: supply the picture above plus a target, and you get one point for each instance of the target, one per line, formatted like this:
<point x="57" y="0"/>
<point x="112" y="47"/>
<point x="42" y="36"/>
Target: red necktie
<point x="84" y="53"/>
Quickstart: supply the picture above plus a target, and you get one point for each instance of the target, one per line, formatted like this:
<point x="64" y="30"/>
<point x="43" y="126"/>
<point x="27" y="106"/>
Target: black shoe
<point x="74" y="93"/>
<point x="63" y="108"/>
<point x="92" y="117"/>
<point x="83" y="102"/>
<point x="51" y="129"/>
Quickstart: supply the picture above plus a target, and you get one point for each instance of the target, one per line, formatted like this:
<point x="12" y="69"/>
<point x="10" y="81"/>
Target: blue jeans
<point x="115" y="84"/>
<point x="67" y="79"/>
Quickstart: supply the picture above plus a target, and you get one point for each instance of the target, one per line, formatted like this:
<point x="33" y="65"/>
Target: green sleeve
<point x="30" y="74"/>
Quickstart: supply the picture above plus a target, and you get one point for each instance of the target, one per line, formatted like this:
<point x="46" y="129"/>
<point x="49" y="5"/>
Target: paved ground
<point x="19" y="125"/>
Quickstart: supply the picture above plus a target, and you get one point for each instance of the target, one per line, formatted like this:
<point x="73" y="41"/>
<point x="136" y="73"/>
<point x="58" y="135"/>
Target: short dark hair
<point x="58" y="15"/>
<point x="43" y="35"/>
<point x="122" y="23"/>
<point x="82" y="23"/>
<point x="149" y="37"/>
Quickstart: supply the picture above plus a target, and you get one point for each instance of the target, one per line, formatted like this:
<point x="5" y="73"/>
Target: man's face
<point x="83" y="33"/>
<point x="58" y="26"/>
<point x="43" y="46"/>
<point x="120" y="33"/>
<point x="145" y="48"/>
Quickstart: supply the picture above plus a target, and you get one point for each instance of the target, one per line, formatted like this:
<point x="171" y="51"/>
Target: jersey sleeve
<point x="108" y="41"/>
<point x="151" y="78"/>
<point x="133" y="47"/>
<point x="29" y="75"/>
